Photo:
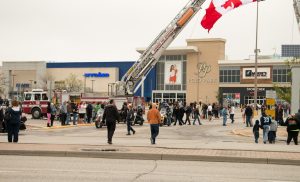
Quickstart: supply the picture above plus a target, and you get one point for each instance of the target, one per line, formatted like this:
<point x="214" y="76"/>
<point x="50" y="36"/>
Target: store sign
<point x="258" y="89"/>
<point x="173" y="73"/>
<point x="96" y="75"/>
<point x="271" y="94"/>
<point x="203" y="69"/>
<point x="262" y="73"/>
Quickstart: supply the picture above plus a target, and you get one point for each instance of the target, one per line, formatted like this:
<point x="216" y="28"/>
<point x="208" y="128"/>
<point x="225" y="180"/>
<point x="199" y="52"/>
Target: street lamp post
<point x="31" y="84"/>
<point x="92" y="85"/>
<point x="256" y="51"/>
<point x="13" y="84"/>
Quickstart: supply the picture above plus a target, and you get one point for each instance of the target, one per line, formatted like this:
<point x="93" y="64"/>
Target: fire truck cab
<point x="35" y="103"/>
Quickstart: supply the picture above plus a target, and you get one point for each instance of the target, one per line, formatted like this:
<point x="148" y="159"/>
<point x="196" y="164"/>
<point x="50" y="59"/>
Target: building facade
<point x="237" y="79"/>
<point x="189" y="73"/>
<point x="195" y="72"/>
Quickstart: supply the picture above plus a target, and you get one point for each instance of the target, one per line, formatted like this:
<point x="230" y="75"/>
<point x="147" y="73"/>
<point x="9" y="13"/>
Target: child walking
<point x="256" y="131"/>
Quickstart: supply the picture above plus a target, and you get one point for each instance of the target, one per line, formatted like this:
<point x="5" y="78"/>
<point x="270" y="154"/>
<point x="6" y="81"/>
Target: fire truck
<point x="35" y="103"/>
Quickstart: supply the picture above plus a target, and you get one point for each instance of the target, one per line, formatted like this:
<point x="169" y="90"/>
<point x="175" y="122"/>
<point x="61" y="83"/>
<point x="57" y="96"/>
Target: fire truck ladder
<point x="297" y="11"/>
<point x="132" y="80"/>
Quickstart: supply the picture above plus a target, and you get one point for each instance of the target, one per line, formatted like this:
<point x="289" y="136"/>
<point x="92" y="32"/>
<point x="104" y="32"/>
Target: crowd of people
<point x="71" y="112"/>
<point x="177" y="112"/>
<point x="269" y="127"/>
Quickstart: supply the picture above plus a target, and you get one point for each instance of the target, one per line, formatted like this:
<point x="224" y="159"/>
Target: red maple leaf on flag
<point x="229" y="3"/>
<point x="218" y="8"/>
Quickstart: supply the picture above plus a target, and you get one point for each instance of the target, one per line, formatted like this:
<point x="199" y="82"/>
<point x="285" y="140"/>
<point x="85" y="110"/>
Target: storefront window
<point x="230" y="75"/>
<point x="232" y="98"/>
<point x="281" y="75"/>
<point x="169" y="97"/>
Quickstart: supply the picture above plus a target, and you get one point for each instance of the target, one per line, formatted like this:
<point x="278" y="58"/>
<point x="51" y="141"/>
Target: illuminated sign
<point x="96" y="75"/>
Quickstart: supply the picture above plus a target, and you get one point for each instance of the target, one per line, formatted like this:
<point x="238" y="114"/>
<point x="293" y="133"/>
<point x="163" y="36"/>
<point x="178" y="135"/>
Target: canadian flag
<point x="217" y="8"/>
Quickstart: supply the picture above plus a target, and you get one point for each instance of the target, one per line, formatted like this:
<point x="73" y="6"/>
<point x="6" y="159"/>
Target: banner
<point x="173" y="73"/>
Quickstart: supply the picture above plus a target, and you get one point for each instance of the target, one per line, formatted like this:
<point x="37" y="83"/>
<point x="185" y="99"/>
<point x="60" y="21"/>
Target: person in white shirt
<point x="231" y="112"/>
<point x="209" y="112"/>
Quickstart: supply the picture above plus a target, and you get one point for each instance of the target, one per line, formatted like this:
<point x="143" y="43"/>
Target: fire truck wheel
<point x="36" y="113"/>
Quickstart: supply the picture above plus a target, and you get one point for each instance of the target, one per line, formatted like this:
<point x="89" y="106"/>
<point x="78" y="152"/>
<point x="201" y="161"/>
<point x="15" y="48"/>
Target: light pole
<point x="31" y="84"/>
<point x="256" y="51"/>
<point x="92" y="85"/>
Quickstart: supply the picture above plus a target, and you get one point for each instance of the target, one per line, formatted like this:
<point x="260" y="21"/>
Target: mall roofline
<point x="175" y="50"/>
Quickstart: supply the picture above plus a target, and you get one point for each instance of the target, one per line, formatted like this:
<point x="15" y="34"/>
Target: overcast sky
<point x="107" y="30"/>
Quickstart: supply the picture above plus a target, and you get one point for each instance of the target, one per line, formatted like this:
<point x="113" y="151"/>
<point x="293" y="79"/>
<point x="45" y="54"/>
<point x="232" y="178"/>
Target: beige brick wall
<point x="203" y="69"/>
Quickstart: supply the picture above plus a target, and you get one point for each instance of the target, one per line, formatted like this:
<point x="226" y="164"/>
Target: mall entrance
<point x="167" y="96"/>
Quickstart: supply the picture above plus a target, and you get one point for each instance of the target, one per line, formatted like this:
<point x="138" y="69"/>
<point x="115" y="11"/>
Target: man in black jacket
<point x="111" y="116"/>
<point x="292" y="129"/>
<point x="248" y="113"/>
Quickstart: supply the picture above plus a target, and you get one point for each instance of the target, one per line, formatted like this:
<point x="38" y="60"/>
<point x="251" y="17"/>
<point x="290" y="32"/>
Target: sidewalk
<point x="151" y="153"/>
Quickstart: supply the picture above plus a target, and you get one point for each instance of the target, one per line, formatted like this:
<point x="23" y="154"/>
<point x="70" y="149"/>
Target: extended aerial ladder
<point x="297" y="11"/>
<point x="132" y="80"/>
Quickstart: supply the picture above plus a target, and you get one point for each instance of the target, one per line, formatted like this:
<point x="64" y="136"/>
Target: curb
<point x="60" y="127"/>
<point x="145" y="156"/>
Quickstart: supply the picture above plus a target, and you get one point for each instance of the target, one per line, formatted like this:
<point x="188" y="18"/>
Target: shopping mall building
<point x="195" y="72"/>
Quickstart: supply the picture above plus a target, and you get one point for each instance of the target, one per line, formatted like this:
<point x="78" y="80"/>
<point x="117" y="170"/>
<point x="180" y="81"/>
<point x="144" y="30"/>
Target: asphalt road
<point x="43" y="169"/>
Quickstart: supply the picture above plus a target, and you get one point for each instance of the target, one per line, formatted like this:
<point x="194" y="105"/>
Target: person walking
<point x="224" y="115"/>
<point x="53" y="114"/>
<point x="176" y="113"/>
<point x="197" y="115"/>
<point x="188" y="112"/>
<point x="256" y="128"/>
<point x="272" y="132"/>
<point x="265" y="122"/>
<point x="69" y="111"/>
<point x="13" y="120"/>
<point x="82" y="112"/>
<point x="154" y="119"/>
<point x="231" y="113"/>
<point x="248" y="114"/>
<point x="75" y="113"/>
<point x="209" y="112"/>
<point x="279" y="114"/>
<point x="111" y="116"/>
<point x="48" y="114"/>
<point x="129" y="120"/>
<point x="89" y="113"/>
<point x="63" y="113"/>
<point x="292" y="129"/>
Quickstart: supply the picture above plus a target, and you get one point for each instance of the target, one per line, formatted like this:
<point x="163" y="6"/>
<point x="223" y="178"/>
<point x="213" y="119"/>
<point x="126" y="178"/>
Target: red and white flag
<point x="217" y="8"/>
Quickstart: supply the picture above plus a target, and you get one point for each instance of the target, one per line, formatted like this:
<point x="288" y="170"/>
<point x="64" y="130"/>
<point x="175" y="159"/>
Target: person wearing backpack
<point x="13" y="120"/>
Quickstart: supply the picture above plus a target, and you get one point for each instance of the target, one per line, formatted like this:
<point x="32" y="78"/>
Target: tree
<point x="73" y="84"/>
<point x="284" y="93"/>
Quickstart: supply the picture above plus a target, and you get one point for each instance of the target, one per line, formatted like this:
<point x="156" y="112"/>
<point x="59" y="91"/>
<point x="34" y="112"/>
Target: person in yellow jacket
<point x="154" y="119"/>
